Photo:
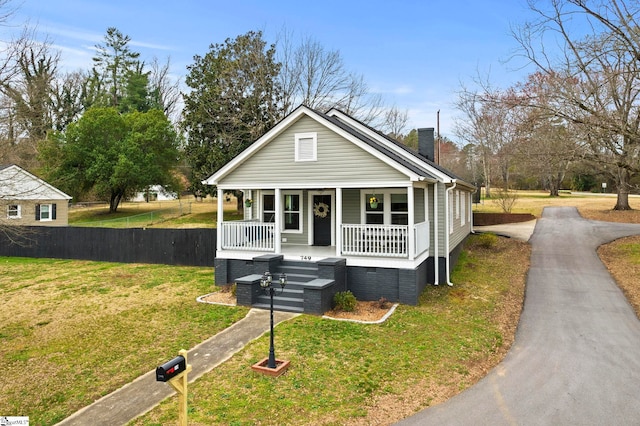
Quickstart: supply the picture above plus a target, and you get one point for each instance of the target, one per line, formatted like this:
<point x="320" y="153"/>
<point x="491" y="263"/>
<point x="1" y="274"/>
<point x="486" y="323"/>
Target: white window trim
<point x="463" y="208"/>
<point x="450" y="215"/>
<point x="50" y="219"/>
<point x="301" y="217"/>
<point x="17" y="216"/>
<point x="261" y="210"/>
<point x="305" y="136"/>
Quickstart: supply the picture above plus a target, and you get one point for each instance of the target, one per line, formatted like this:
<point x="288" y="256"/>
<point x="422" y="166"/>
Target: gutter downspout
<point x="436" y="232"/>
<point x="447" y="230"/>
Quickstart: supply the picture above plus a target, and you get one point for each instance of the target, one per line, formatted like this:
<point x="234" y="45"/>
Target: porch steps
<point x="291" y="299"/>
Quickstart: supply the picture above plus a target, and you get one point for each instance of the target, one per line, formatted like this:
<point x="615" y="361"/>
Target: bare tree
<point x="600" y="88"/>
<point x="549" y="143"/>
<point x="490" y="124"/>
<point x="395" y="122"/>
<point x="317" y="78"/>
<point x="167" y="88"/>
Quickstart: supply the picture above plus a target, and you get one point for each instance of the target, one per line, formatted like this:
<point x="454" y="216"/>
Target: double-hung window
<point x="389" y="208"/>
<point x="292" y="212"/>
<point x="399" y="209"/>
<point x="45" y="212"/>
<point x="374" y="212"/>
<point x="268" y="208"/>
<point x="14" y="211"/>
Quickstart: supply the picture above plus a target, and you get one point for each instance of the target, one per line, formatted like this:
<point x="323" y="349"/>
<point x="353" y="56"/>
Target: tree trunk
<point x="486" y="168"/>
<point x="623" y="190"/>
<point x="239" y="201"/>
<point x="114" y="201"/>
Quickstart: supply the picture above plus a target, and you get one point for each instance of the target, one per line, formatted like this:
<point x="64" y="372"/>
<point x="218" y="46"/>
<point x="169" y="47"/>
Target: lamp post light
<point x="266" y="282"/>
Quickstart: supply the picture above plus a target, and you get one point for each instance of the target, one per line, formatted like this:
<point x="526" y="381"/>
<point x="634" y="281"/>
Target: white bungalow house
<point x="26" y="199"/>
<point x="338" y="206"/>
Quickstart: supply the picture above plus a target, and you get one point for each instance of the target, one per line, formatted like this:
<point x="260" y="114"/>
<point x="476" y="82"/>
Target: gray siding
<point x="418" y="197"/>
<point x="351" y="206"/>
<point x="338" y="161"/>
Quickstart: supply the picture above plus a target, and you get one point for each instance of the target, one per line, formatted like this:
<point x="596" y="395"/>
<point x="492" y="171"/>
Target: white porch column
<point x="411" y="241"/>
<point x="279" y="208"/>
<point x="220" y="219"/>
<point x="338" y="222"/>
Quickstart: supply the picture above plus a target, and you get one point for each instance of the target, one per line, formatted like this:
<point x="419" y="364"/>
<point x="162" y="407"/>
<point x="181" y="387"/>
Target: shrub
<point x="485" y="240"/>
<point x="345" y="301"/>
<point x="505" y="199"/>
<point x="383" y="303"/>
<point x="229" y="288"/>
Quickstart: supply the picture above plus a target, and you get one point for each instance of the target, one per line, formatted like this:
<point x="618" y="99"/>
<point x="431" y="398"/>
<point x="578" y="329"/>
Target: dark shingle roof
<point x="420" y="163"/>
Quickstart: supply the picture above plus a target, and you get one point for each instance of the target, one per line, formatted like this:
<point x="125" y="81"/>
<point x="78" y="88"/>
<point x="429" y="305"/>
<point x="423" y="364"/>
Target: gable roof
<point x="18" y="184"/>
<point x="396" y="155"/>
<point x="399" y="148"/>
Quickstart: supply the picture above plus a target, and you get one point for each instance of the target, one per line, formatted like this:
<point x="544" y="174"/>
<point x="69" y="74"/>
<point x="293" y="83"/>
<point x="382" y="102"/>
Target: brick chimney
<point x="426" y="143"/>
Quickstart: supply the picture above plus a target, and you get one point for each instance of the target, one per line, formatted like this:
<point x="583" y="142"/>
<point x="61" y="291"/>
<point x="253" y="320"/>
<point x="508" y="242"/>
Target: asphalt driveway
<point x="576" y="355"/>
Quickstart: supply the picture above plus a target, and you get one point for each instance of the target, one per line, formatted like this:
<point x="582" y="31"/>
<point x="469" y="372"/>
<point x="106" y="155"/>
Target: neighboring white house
<point x="155" y="193"/>
<point x="337" y="205"/>
<point x="28" y="200"/>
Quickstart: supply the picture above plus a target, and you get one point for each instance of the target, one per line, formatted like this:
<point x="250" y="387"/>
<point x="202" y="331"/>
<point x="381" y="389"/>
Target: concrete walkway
<point x="576" y="355"/>
<point x="144" y="393"/>
<point x="520" y="231"/>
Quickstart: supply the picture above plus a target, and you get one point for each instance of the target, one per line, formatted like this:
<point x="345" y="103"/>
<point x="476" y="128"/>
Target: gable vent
<point x="306" y="146"/>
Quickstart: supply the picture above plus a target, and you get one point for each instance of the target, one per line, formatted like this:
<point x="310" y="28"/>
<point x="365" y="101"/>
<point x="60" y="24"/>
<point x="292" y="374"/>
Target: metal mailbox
<point x="171" y="369"/>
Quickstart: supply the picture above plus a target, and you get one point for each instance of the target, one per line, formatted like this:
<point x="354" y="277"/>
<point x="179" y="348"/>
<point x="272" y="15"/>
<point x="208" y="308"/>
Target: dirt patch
<point x="364" y="311"/>
<point x="619" y="216"/>
<point x="219" y="297"/>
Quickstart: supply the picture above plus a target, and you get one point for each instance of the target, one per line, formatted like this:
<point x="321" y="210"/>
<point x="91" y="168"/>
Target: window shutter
<point x="37" y="211"/>
<point x="53" y="211"/>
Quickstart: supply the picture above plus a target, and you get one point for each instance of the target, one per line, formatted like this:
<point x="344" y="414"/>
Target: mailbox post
<point x="175" y="372"/>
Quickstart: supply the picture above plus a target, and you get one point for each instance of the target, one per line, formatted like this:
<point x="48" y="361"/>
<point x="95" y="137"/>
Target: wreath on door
<point x="320" y="210"/>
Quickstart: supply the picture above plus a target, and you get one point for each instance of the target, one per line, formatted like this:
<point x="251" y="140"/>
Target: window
<point x="391" y="208"/>
<point x="306" y="146"/>
<point x="13" y="211"/>
<point x="292" y="214"/>
<point x="374" y="214"/>
<point x="45" y="212"/>
<point x="463" y="208"/>
<point x="268" y="208"/>
<point x="399" y="209"/>
<point x="457" y="204"/>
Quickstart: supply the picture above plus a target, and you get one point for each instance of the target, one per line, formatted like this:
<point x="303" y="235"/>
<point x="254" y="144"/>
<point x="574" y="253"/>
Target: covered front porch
<point x="310" y="224"/>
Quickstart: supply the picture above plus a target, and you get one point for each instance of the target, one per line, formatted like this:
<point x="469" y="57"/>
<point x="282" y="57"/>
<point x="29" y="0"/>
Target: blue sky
<point x="414" y="53"/>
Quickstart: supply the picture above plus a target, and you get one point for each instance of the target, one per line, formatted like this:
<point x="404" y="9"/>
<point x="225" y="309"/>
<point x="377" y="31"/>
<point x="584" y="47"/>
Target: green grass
<point x="165" y="214"/>
<point x="340" y="369"/>
<point x="72" y="331"/>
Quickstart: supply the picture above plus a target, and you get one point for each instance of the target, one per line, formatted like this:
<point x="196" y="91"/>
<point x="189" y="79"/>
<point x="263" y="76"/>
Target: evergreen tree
<point x="233" y="101"/>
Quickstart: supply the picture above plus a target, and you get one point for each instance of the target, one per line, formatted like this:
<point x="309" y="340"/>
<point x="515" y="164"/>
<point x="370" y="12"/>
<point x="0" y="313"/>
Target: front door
<point x="322" y="220"/>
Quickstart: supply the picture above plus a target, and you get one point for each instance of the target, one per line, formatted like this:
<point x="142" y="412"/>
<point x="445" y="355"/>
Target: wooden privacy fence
<point x="189" y="247"/>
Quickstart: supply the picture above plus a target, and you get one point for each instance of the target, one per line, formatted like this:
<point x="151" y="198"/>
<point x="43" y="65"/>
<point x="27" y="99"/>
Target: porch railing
<point x="248" y="235"/>
<point x="375" y="240"/>
<point x="422" y="237"/>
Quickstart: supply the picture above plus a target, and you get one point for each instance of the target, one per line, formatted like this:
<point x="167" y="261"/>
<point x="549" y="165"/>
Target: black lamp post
<point x="267" y="285"/>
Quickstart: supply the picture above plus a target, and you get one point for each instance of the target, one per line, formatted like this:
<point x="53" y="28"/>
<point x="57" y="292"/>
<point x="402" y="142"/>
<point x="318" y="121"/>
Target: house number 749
<point x="305" y="257"/>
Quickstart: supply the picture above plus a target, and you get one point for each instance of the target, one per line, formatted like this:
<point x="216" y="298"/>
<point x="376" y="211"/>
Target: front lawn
<point x="347" y="373"/>
<point x="73" y="331"/>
